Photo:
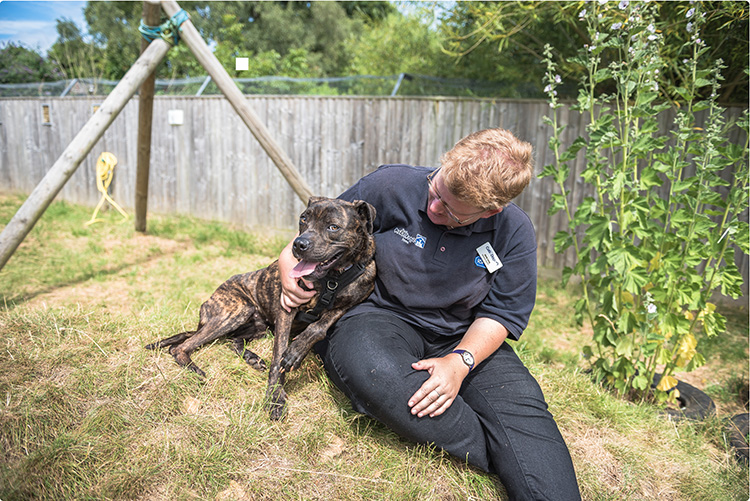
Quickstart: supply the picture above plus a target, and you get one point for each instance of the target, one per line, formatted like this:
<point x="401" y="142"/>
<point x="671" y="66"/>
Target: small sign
<point x="176" y="117"/>
<point x="241" y="63"/>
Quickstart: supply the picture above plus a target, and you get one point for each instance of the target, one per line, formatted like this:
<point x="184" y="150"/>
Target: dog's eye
<point x="303" y="219"/>
<point x="333" y="227"/>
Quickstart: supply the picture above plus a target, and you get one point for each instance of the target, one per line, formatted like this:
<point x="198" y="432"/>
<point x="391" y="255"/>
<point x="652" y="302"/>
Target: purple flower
<point x="690" y="12"/>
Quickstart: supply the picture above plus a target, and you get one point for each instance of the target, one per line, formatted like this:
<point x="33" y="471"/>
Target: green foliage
<point x="656" y="236"/>
<point x="114" y="27"/>
<point x="397" y="44"/>
<point x="505" y="40"/>
<point x="502" y="41"/>
<point x="19" y="64"/>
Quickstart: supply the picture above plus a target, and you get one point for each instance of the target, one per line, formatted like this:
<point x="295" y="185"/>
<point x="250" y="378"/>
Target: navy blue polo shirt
<point x="433" y="277"/>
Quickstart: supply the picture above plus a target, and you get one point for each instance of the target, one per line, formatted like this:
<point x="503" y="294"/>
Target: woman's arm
<point x="447" y="373"/>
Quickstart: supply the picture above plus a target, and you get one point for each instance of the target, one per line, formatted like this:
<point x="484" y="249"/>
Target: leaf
<point x="625" y="347"/>
<point x="623" y="260"/>
<point x="627" y="322"/>
<point x="572" y="151"/>
<point x="562" y="241"/>
<point x="640" y="382"/>
<point x="650" y="178"/>
<point x="634" y="281"/>
<point x="548" y="170"/>
<point x="599" y="232"/>
<point x="645" y="98"/>
<point x="618" y="184"/>
<point x="602" y="74"/>
<point x="557" y="203"/>
<point x="686" y="350"/>
<point x="667" y="383"/>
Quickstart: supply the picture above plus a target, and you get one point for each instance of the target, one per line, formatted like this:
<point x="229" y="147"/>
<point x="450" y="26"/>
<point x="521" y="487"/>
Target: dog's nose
<point x="301" y="244"/>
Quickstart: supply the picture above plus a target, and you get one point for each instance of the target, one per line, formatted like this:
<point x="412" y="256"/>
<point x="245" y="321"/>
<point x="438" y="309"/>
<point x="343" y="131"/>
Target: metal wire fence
<point x="404" y="84"/>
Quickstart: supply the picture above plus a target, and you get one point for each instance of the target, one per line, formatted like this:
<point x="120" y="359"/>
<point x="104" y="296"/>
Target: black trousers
<point x="499" y="422"/>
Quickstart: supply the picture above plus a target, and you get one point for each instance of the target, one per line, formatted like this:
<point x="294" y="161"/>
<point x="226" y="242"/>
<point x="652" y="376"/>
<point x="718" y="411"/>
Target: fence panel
<point x="211" y="166"/>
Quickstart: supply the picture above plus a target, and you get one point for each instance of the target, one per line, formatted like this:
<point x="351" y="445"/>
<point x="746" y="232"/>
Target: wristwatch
<point x="467" y="357"/>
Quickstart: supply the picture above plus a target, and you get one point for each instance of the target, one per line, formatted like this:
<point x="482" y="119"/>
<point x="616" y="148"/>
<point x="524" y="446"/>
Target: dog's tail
<point x="176" y="339"/>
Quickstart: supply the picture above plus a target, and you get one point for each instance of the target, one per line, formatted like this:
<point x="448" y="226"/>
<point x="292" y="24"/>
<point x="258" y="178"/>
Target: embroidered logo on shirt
<point x="478" y="261"/>
<point x="419" y="240"/>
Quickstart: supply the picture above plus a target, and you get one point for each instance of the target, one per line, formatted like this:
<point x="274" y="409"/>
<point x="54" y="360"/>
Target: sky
<point x="32" y="24"/>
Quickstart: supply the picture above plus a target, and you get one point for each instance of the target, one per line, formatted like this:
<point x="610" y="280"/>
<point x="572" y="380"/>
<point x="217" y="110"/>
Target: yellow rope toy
<point x="104" y="170"/>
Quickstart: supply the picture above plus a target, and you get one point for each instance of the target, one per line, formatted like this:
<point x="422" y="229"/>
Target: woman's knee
<point x="372" y="355"/>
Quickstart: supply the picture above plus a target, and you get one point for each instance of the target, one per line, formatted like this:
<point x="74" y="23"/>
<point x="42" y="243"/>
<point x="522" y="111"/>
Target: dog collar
<point x="331" y="286"/>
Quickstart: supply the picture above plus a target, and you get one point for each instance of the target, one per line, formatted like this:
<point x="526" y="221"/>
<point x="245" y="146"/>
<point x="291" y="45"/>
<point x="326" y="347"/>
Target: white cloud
<point x="33" y="24"/>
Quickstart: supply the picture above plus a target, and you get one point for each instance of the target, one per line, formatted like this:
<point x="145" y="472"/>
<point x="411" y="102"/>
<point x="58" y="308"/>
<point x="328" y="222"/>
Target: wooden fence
<point x="209" y="165"/>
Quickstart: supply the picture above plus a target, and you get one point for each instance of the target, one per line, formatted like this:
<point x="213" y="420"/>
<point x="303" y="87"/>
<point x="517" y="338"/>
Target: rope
<point x="168" y="31"/>
<point x="105" y="167"/>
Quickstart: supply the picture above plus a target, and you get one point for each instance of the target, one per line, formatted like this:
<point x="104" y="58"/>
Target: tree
<point x="280" y="38"/>
<point x="505" y="40"/>
<point x="19" y="64"/>
<point x="75" y="57"/>
<point x="397" y="44"/>
<point x="114" y="28"/>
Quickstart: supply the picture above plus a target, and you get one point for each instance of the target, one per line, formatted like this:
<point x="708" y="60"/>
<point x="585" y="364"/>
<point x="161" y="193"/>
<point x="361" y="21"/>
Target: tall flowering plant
<point x="656" y="235"/>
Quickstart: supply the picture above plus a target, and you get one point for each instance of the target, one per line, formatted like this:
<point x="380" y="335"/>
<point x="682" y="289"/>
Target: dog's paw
<point x="254" y="361"/>
<point x="276" y="403"/>
<point x="184" y="360"/>
<point x="291" y="358"/>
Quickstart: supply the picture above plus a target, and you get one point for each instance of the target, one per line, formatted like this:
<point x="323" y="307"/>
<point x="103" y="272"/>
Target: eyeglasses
<point x="433" y="189"/>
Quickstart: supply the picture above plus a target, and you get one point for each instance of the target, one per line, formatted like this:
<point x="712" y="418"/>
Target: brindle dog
<point x="334" y="235"/>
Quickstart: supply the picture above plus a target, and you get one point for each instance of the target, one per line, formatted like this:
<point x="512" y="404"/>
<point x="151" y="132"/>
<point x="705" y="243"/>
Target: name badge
<point x="490" y="259"/>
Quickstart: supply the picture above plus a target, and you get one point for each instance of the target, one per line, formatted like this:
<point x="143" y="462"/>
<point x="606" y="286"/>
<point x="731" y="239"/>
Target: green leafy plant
<point x="655" y="234"/>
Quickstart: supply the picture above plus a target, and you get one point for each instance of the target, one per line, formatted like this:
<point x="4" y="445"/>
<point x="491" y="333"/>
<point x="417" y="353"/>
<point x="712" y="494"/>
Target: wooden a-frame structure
<point x="141" y="74"/>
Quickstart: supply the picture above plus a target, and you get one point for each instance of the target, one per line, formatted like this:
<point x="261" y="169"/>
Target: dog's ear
<point x="367" y="212"/>
<point x="314" y="200"/>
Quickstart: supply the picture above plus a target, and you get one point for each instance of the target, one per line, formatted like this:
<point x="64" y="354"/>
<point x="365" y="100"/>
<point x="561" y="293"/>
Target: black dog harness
<point x="333" y="284"/>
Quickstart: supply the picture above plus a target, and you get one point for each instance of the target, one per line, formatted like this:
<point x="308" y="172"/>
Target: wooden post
<point x="151" y="17"/>
<point x="51" y="184"/>
<point x="203" y="54"/>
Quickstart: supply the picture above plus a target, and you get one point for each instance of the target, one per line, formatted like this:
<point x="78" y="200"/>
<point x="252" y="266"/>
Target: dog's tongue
<point x="303" y="269"/>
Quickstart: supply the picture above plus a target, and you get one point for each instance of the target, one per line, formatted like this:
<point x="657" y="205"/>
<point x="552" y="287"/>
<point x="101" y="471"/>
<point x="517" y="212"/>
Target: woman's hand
<point x="447" y="373"/>
<point x="292" y="295"/>
<point x="437" y="394"/>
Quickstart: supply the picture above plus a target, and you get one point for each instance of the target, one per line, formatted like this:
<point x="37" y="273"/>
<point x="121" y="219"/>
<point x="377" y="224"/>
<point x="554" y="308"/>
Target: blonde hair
<point x="488" y="168"/>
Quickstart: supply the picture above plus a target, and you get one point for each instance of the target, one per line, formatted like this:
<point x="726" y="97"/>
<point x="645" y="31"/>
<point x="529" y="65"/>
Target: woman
<point x="425" y="354"/>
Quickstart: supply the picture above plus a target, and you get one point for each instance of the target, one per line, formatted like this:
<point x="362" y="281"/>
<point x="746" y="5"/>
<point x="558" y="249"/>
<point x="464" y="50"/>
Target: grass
<point x="87" y="413"/>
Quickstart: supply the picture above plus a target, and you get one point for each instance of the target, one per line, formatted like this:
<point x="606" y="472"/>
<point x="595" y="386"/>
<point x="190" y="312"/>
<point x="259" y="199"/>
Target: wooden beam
<point x="189" y="34"/>
<point x="51" y="184"/>
<point x="151" y="17"/>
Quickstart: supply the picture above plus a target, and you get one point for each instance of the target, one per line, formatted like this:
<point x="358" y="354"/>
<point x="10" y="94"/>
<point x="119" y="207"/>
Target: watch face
<point x="468" y="358"/>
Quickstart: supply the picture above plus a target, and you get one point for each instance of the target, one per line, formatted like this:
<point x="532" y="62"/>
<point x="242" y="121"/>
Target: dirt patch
<point x="142" y="252"/>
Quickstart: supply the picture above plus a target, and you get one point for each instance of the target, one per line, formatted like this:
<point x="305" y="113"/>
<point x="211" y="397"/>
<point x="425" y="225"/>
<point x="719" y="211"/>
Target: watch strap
<point x="461" y="353"/>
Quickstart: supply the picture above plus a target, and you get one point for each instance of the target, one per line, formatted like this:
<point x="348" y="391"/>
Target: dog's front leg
<point x="275" y="394"/>
<point x="303" y="343"/>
